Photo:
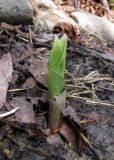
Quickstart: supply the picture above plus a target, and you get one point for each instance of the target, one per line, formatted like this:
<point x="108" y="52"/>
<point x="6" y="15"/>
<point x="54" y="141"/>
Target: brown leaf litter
<point x="6" y="70"/>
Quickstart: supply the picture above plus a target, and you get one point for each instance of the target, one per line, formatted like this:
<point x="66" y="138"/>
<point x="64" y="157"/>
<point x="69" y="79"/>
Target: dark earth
<point x="90" y="91"/>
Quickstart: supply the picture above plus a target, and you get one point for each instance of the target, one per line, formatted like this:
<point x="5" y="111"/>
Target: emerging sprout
<point x="55" y="81"/>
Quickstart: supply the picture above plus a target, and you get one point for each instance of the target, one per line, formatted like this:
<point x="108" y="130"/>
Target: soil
<point x="100" y="133"/>
<point x="89" y="83"/>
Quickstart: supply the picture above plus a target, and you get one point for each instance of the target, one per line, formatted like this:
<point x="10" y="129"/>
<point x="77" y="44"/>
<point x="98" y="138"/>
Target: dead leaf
<point x="50" y="15"/>
<point x="4" y="130"/>
<point x="71" y="129"/>
<point x="55" y="140"/>
<point x="71" y="113"/>
<point x="58" y="2"/>
<point x="43" y="37"/>
<point x="6" y="26"/>
<point x="40" y="102"/>
<point x="38" y="70"/>
<point x="29" y="83"/>
<point x="63" y="27"/>
<point x="5" y="76"/>
<point x="68" y="134"/>
<point x="68" y="8"/>
<point x="20" y="51"/>
<point x="25" y="114"/>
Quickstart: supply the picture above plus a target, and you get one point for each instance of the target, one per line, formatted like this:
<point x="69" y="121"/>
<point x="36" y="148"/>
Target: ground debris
<point x="6" y="70"/>
<point x="25" y="114"/>
<point x="89" y="83"/>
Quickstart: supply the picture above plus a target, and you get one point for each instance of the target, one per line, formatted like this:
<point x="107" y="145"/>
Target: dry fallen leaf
<point x="71" y="113"/>
<point x="25" y="114"/>
<point x="51" y="14"/>
<point x="29" y="83"/>
<point x="38" y="70"/>
<point x="4" y="130"/>
<point x="5" y="76"/>
<point x="71" y="129"/>
<point x="68" y="134"/>
<point x="68" y="8"/>
<point x="6" y="26"/>
<point x="43" y="37"/>
<point x="67" y="28"/>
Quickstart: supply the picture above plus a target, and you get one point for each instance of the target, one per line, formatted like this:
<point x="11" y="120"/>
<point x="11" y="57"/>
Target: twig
<point x="100" y="103"/>
<point x="89" y="101"/>
<point x="19" y="89"/>
<point x="9" y="113"/>
<point x="25" y="89"/>
<point x="93" y="93"/>
<point x="30" y="35"/>
<point x="86" y="141"/>
<point x="25" y="40"/>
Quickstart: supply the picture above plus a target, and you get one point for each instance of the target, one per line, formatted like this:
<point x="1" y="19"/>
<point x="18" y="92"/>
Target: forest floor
<point x="90" y="91"/>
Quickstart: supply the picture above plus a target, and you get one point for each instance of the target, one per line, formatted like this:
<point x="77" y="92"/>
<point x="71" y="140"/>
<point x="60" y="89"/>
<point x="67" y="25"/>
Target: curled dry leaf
<point x="67" y="28"/>
<point x="68" y="134"/>
<point x="52" y="15"/>
<point x="71" y="129"/>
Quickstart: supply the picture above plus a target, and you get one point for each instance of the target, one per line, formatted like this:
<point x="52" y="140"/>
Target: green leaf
<point x="56" y="66"/>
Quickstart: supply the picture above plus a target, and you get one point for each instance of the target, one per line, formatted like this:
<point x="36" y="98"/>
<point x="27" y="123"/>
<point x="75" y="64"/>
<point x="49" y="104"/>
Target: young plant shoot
<point x="56" y="83"/>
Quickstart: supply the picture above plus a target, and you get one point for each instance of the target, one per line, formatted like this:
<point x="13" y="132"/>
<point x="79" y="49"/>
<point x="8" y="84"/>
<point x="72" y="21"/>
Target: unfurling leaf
<point x="56" y="66"/>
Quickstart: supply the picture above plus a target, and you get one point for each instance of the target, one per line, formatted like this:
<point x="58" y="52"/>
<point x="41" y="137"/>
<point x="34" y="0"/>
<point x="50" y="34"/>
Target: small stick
<point x="9" y="113"/>
<point x="30" y="35"/>
<point x="89" y="101"/>
<point x="19" y="89"/>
